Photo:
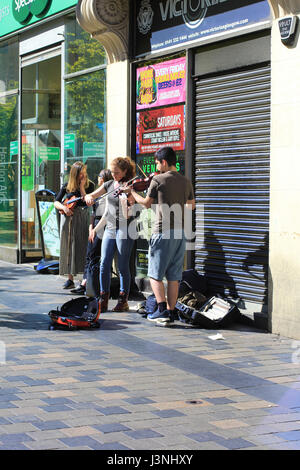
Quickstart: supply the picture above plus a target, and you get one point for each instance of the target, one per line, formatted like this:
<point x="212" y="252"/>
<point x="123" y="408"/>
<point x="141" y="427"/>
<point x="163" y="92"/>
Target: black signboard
<point x="166" y="24"/>
<point x="287" y="28"/>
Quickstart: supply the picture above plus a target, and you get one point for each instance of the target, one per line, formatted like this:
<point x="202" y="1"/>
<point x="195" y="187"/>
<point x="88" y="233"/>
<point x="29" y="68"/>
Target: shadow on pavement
<point x="116" y="324"/>
<point x="9" y="289"/>
<point x="7" y="273"/>
<point x="244" y="325"/>
<point x="23" y="321"/>
<point x="34" y="321"/>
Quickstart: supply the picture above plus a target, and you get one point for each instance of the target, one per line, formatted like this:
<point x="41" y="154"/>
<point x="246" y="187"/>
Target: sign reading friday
<point x="161" y="84"/>
<point x="15" y="14"/>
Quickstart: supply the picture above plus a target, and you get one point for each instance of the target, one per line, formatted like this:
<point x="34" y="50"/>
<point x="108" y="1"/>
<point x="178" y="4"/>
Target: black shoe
<point x="68" y="284"/>
<point x="164" y="317"/>
<point x="79" y="290"/>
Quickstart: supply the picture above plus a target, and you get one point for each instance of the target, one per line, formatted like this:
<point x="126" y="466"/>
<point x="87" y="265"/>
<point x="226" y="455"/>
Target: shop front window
<point x="9" y="83"/>
<point x="41" y="124"/>
<point x="85" y="128"/>
<point x="85" y="101"/>
<point x="9" y="70"/>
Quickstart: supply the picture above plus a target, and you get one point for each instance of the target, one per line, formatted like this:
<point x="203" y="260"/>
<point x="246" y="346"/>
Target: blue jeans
<point x="112" y="241"/>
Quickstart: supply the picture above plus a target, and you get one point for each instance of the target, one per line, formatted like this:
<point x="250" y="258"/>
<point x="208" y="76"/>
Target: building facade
<point x="212" y="70"/>
<point x="239" y="141"/>
<point x="219" y="83"/>
<point x="52" y="113"/>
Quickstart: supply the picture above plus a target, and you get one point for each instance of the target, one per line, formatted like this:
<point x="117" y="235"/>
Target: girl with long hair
<point x="74" y="230"/>
<point x="93" y="253"/>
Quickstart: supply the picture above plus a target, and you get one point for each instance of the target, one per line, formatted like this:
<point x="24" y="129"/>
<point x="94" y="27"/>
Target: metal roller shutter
<point x="232" y="182"/>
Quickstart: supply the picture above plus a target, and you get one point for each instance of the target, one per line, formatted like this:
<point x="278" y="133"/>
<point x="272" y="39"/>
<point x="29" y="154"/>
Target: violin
<point x="71" y="203"/>
<point x="142" y="184"/>
<point x="139" y="184"/>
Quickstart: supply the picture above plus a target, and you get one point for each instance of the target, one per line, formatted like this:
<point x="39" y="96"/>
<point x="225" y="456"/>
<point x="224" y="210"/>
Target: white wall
<point x="284" y="260"/>
<point x="118" y="89"/>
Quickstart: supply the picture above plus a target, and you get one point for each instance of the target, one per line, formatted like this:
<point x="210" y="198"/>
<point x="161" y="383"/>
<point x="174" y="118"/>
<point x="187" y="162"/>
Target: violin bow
<point x="141" y="170"/>
<point x="73" y="200"/>
<point x="100" y="197"/>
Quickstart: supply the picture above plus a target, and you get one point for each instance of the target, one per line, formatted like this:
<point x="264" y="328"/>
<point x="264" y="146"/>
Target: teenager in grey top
<point x="170" y="190"/>
<point x="172" y="193"/>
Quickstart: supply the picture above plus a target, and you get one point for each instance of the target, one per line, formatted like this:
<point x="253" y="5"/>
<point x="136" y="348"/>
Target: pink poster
<point x="161" y="84"/>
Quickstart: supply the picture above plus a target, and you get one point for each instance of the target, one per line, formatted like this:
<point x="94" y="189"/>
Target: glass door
<point x="41" y="142"/>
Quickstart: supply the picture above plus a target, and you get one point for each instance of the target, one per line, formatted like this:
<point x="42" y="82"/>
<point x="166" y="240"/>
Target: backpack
<point x="192" y="281"/>
<point x="82" y="312"/>
<point x="147" y="306"/>
<point x="47" y="266"/>
<point x="151" y="304"/>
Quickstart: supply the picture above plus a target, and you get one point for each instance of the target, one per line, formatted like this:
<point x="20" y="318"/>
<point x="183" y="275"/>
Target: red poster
<point x="160" y="127"/>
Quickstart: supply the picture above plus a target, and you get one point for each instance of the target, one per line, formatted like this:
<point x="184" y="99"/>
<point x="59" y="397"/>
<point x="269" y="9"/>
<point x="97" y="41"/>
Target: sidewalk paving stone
<point x="291" y="435"/>
<point x="111" y="427"/>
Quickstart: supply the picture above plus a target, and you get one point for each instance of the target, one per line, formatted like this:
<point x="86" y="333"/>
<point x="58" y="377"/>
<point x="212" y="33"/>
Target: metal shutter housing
<point x="232" y="165"/>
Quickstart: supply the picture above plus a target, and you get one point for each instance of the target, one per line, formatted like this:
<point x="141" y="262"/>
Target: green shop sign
<point x="16" y="14"/>
<point x="49" y="153"/>
<point x="94" y="150"/>
<point x="27" y="167"/>
<point x="70" y="143"/>
<point x="23" y="9"/>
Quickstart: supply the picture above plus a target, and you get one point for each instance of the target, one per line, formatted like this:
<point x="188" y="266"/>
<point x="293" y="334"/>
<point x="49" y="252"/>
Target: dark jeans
<point x="92" y="266"/>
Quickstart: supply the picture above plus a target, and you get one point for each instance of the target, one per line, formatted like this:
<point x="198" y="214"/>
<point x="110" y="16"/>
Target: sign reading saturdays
<point x="159" y="127"/>
<point x="161" y="84"/>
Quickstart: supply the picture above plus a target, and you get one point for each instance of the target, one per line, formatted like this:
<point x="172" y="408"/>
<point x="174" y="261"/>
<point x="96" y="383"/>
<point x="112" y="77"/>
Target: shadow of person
<point x="256" y="266"/>
<point x="219" y="281"/>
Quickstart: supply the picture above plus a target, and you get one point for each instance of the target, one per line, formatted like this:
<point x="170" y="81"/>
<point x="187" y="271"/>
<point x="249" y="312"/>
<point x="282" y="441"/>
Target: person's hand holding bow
<point x="89" y="200"/>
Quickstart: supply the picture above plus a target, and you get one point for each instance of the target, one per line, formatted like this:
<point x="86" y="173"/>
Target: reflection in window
<point x="82" y="52"/>
<point x="9" y="70"/>
<point x="8" y="170"/>
<point x="85" y="107"/>
<point x="85" y="122"/>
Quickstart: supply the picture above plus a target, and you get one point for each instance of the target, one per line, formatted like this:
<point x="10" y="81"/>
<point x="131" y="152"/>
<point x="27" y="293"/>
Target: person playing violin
<point x="74" y="230"/>
<point x="93" y="253"/>
<point x="172" y="192"/>
<point x="116" y="238"/>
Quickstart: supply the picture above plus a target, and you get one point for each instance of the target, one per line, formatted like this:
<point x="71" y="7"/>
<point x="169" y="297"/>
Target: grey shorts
<point x="166" y="255"/>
